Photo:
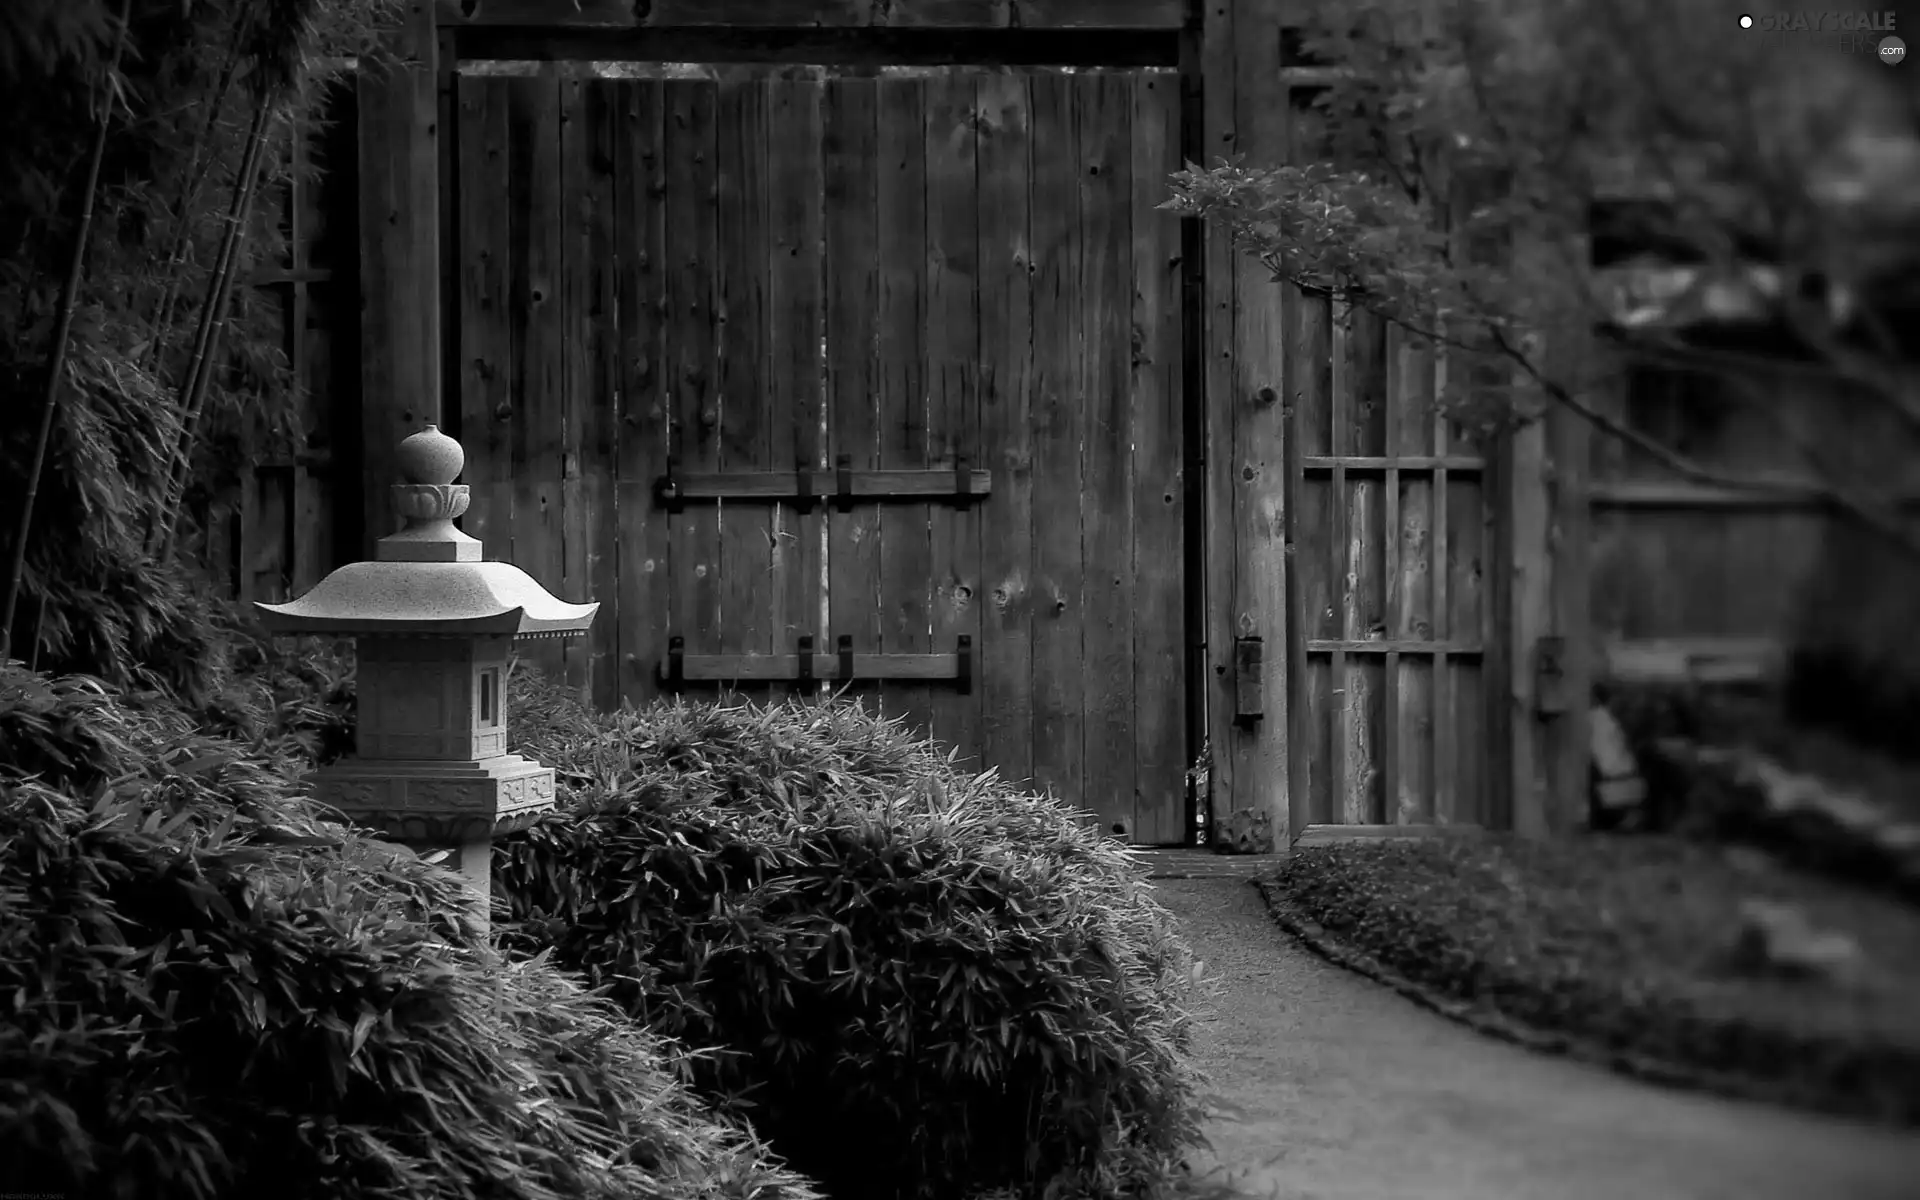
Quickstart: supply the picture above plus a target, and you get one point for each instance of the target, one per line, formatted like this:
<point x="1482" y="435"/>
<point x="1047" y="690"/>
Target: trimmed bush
<point x="214" y="994"/>
<point x="920" y="983"/>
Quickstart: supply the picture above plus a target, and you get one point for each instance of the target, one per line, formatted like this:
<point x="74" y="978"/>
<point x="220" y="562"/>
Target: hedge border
<point x="1491" y="1021"/>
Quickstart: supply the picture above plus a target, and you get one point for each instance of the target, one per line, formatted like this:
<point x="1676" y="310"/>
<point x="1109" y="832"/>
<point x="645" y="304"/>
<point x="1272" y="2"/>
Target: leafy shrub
<point x="1624" y="946"/>
<point x="921" y="983"/>
<point x="214" y="994"/>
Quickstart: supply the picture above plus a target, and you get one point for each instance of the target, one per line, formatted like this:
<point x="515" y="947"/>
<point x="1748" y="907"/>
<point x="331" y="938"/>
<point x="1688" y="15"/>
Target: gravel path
<point x="1329" y="1087"/>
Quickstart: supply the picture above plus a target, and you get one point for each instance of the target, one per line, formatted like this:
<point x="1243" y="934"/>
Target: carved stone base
<point x="437" y="803"/>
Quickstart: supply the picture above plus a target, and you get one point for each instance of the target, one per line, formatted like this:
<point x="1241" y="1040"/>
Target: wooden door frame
<point x="1193" y="410"/>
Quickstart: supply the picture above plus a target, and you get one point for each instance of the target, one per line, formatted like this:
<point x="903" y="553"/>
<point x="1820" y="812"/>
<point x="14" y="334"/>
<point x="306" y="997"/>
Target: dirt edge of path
<point x="1487" y="1020"/>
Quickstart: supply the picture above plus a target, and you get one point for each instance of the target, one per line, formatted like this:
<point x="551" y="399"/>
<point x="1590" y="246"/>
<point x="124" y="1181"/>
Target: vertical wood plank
<point x="953" y="381"/>
<point x="1525" y="517"/>
<point x="307" y="552"/>
<point x="486" y="341"/>
<point x="1359" y="413"/>
<point x="1317" y="535"/>
<point x="693" y="403"/>
<point x="740" y="347"/>
<point x="850" y="117"/>
<point x="595" y="397"/>
<point x="1058" y="737"/>
<point x="398" y="113"/>
<point x="1006" y="398"/>
<point x="1219" y="139"/>
<point x="446" y="86"/>
<point x="1373" y="555"/>
<point x="1570" y="549"/>
<point x="1399" y="806"/>
<point x="1105" y="123"/>
<point x="1469" y="615"/>
<point x="1262" y="364"/>
<point x="644" y="608"/>
<point x="1302" y="715"/>
<point x="334" y="365"/>
<point x="1410" y="616"/>
<point x="1159" y="507"/>
<point x="1320" y="330"/>
<point x="796" y="398"/>
<point x="587" y="308"/>
<point x="1445" y="630"/>
<point x="246" y="520"/>
<point x="539" y="329"/>
<point x="906" y="554"/>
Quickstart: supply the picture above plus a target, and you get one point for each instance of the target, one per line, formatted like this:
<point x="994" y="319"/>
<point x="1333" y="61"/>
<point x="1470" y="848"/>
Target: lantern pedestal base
<point x="437" y="803"/>
<point x="474" y="861"/>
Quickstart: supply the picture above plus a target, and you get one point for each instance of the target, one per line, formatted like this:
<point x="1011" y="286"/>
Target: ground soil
<point x="1327" y="1086"/>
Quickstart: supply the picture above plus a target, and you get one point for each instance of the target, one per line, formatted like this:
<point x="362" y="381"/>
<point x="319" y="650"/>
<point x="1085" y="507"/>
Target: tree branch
<point x="1836" y="496"/>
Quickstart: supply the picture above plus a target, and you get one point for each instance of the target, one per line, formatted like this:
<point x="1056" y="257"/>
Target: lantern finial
<point x="431" y="457"/>
<point x="429" y="500"/>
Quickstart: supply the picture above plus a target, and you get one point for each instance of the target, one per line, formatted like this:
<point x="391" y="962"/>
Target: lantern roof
<point x="428" y="579"/>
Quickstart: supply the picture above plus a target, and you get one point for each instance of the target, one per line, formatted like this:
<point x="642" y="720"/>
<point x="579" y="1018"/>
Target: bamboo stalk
<point x="182" y="238"/>
<point x="63" y="330"/>
<point x="212" y="319"/>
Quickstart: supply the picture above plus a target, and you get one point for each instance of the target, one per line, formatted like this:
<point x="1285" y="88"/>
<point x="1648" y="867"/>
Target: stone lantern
<point x="433" y="626"/>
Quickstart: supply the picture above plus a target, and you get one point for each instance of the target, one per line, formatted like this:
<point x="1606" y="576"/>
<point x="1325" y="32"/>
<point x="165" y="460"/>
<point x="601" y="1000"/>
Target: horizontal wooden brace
<point x="833" y="14"/>
<point x="1786" y="494"/>
<point x="1412" y="462"/>
<point x="807" y="665"/>
<point x="282" y="276"/>
<point x="1726" y="660"/>
<point x="841" y="485"/>
<point x="821" y="46"/>
<point x="1333" y="835"/>
<point x="1389" y="646"/>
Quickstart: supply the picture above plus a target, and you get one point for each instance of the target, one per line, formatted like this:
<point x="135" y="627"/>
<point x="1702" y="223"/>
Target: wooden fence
<point x="923" y="362"/>
<point x="295" y="514"/>
<point x="1694" y="581"/>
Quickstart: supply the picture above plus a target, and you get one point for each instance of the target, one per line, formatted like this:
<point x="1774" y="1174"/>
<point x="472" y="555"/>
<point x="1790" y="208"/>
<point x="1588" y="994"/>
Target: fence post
<point x="399" y="257"/>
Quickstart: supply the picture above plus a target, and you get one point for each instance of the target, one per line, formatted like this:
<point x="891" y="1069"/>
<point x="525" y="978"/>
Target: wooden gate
<point x="1353" y="627"/>
<point x="817" y="379"/>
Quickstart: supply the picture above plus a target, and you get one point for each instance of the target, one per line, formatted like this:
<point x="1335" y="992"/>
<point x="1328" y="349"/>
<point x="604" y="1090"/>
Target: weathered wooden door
<point x="804" y="375"/>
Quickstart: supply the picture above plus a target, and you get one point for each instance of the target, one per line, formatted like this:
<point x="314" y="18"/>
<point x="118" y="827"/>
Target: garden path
<point x="1330" y="1087"/>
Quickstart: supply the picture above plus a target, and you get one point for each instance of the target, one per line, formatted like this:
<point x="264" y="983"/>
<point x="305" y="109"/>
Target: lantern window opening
<point x="489" y="692"/>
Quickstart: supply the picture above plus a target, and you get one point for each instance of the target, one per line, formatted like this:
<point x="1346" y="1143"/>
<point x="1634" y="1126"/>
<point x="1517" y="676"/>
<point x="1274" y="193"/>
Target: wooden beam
<point x="290" y="276"/>
<point x="823" y="46"/>
<point x="1523" y="513"/>
<point x="1386" y="645"/>
<point x="828" y="14"/>
<point x="822" y="486"/>
<point x="1193" y="412"/>
<point x="785" y="668"/>
<point x="1332" y="835"/>
<point x="399" y="171"/>
<point x="1215" y="464"/>
<point x="1565" y="733"/>
<point x="1691" y="660"/>
<point x="1786" y="494"/>
<point x="1265" y="319"/>
<point x="1411" y="462"/>
<point x="1299" y="735"/>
